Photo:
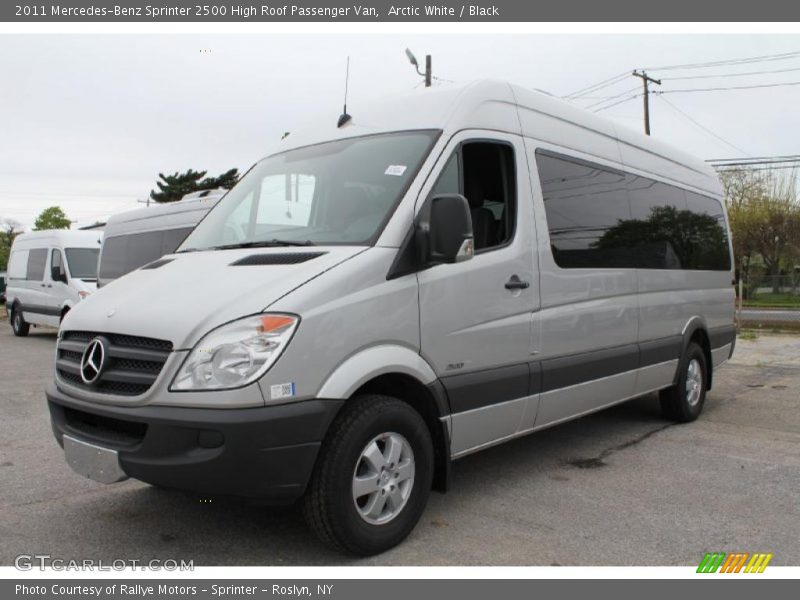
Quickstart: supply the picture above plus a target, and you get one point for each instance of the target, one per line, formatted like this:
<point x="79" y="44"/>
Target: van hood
<point x="181" y="297"/>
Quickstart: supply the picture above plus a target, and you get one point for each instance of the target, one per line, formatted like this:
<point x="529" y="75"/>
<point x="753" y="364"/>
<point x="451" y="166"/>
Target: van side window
<point x="17" y="264"/>
<point x="56" y="262"/>
<point x="711" y="253"/>
<point x="122" y="254"/>
<point x="603" y="218"/>
<point x="37" y="259"/>
<point x="584" y="203"/>
<point x="484" y="173"/>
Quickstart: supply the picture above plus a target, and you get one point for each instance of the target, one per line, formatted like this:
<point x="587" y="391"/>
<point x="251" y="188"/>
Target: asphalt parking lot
<point x="621" y="487"/>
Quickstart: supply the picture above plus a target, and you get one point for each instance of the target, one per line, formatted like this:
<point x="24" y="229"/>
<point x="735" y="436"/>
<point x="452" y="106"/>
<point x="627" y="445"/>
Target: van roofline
<point x="469" y="106"/>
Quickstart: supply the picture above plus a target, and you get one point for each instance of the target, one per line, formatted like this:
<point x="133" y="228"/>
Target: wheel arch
<point x="400" y="372"/>
<point x="430" y="401"/>
<point x="696" y="330"/>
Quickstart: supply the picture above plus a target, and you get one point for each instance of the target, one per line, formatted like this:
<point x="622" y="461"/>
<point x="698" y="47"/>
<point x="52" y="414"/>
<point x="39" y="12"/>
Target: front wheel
<point x="684" y="401"/>
<point x="18" y="324"/>
<point x="373" y="476"/>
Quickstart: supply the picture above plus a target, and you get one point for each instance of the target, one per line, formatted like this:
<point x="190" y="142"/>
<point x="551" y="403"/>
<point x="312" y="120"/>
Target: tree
<point x="176" y="186"/>
<point x="9" y="229"/>
<point x="227" y="180"/>
<point x="764" y="215"/>
<point x="52" y="218"/>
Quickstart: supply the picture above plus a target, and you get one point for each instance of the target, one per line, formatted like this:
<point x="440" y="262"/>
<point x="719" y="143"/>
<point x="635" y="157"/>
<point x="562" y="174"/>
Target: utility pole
<point x="646" y="96"/>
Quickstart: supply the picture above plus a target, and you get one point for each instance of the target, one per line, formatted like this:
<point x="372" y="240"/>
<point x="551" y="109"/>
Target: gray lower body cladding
<point x="266" y="452"/>
<point x="493" y="386"/>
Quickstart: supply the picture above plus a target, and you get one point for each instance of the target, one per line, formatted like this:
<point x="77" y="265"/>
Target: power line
<point x="729" y="88"/>
<point x="597" y="86"/>
<point x="597" y="110"/>
<point x="703" y="127"/>
<point x="607" y="98"/>
<point x="719" y="63"/>
<point x="746" y="163"/>
<point x="719" y="75"/>
<point x="756" y="158"/>
<point x="733" y="61"/>
<point x="719" y="168"/>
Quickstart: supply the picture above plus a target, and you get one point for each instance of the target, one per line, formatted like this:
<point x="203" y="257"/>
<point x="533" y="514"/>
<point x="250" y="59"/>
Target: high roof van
<point x="445" y="271"/>
<point x="49" y="273"/>
<point x="136" y="237"/>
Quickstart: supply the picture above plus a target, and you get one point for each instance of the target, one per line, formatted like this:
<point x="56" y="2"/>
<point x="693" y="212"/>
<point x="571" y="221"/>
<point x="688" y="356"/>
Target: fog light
<point x="210" y="439"/>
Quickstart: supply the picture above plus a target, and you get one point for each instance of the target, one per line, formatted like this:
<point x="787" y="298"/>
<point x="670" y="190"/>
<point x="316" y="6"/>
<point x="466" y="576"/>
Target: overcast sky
<point x="88" y="121"/>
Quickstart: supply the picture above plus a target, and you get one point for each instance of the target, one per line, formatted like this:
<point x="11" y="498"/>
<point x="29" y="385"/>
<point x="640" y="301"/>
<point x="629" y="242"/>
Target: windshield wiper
<point x="264" y="244"/>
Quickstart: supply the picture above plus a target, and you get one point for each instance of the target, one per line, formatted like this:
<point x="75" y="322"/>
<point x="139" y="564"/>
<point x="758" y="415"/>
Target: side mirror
<point x="447" y="230"/>
<point x="56" y="274"/>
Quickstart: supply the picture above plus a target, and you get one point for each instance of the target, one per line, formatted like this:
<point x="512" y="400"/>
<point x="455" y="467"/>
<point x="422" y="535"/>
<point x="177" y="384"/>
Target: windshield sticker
<point x="282" y="390"/>
<point x="396" y="170"/>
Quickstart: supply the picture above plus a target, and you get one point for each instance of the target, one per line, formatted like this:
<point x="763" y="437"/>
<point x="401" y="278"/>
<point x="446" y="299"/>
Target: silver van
<point x="49" y="273"/>
<point x="136" y="237"/>
<point x="446" y="271"/>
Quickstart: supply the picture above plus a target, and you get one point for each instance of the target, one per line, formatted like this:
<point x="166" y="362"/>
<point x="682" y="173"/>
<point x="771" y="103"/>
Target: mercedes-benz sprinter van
<point x="136" y="237"/>
<point x="49" y="273"/>
<point x="445" y="271"/>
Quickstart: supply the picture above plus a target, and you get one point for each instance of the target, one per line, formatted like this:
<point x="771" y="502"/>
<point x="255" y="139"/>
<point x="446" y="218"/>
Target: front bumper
<point x="266" y="452"/>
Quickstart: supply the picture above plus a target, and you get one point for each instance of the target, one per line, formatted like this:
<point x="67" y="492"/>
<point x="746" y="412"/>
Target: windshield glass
<point x="82" y="262"/>
<point x="340" y="192"/>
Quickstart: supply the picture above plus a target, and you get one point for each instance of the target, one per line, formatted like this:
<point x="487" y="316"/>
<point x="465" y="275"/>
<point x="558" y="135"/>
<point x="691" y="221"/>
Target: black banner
<point x="730" y="588"/>
<point x="372" y="11"/>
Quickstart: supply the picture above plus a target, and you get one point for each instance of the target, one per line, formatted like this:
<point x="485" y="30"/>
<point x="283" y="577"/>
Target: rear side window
<point x="18" y="264"/>
<point x="708" y="234"/>
<point x="602" y="218"/>
<point x="37" y="259"/>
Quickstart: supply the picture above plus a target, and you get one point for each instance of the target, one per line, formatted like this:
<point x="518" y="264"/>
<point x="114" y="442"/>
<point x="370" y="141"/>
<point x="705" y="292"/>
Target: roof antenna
<point x="344" y="117"/>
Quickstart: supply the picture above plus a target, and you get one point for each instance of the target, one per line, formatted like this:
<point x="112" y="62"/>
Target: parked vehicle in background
<point x="49" y="273"/>
<point x="446" y="271"/>
<point x="2" y="287"/>
<point x="134" y="238"/>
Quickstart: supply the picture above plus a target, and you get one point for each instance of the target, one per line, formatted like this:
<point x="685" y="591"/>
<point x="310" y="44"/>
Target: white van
<point x="49" y="272"/>
<point x="134" y="238"/>
<point x="446" y="271"/>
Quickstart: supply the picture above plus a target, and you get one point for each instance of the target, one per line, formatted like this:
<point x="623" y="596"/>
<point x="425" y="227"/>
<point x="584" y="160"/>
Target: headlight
<point x="235" y="354"/>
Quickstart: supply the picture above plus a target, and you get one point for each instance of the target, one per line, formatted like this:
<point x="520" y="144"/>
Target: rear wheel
<point x="684" y="401"/>
<point x="18" y="323"/>
<point x="373" y="476"/>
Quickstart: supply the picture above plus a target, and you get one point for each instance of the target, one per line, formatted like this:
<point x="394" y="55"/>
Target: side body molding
<point x="372" y="362"/>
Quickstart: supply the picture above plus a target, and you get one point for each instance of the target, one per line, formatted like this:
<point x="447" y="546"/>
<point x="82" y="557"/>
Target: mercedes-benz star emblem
<point x="93" y="361"/>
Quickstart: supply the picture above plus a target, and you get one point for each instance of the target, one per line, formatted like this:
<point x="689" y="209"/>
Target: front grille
<point x="132" y="364"/>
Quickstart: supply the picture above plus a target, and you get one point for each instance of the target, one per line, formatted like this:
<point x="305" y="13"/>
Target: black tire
<point x="676" y="402"/>
<point x="329" y="506"/>
<point x="18" y="324"/>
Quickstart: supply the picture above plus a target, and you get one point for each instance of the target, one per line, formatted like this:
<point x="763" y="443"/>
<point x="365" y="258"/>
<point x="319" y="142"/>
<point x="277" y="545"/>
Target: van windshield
<point x="82" y="262"/>
<point x="340" y="192"/>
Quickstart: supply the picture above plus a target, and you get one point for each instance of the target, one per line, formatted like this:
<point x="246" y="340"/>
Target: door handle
<point x="515" y="283"/>
<point x="43" y="285"/>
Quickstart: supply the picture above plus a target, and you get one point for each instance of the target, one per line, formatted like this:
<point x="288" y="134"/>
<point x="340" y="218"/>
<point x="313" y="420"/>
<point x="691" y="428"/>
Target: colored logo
<point x="735" y="562"/>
